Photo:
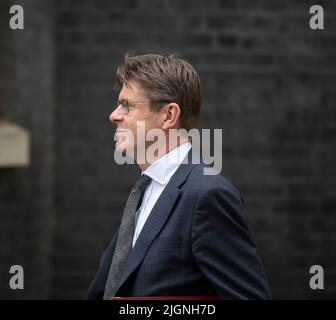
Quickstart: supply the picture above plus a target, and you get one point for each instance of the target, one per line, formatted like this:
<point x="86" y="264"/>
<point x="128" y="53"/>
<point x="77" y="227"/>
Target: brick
<point x="267" y="81"/>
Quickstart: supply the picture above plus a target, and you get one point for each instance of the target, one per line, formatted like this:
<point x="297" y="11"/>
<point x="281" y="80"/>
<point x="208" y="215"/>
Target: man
<point x="184" y="234"/>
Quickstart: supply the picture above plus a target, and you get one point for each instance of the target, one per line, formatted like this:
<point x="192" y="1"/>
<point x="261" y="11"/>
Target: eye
<point x="124" y="105"/>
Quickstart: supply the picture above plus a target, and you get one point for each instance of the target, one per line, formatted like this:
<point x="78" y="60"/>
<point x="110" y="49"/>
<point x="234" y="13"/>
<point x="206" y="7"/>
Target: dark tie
<point x="125" y="237"/>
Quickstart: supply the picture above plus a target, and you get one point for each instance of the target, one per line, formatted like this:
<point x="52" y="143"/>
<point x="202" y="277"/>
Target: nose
<point x="116" y="115"/>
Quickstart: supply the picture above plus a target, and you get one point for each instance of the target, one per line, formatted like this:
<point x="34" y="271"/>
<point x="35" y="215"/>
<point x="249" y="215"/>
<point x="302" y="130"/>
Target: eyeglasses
<point x="125" y="105"/>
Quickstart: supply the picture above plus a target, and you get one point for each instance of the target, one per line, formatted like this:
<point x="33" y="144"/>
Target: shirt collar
<point x="162" y="169"/>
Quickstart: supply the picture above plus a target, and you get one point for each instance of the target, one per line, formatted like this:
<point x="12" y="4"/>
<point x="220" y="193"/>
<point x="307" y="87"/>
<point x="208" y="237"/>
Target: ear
<point x="171" y="116"/>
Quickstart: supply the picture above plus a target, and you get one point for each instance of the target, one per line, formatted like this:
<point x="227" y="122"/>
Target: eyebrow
<point x="122" y="100"/>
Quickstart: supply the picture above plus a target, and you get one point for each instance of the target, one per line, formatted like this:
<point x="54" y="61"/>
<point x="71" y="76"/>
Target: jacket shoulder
<point x="201" y="182"/>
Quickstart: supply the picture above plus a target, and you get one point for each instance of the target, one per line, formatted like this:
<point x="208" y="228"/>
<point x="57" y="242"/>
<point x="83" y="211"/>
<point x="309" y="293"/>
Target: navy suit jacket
<point x="196" y="242"/>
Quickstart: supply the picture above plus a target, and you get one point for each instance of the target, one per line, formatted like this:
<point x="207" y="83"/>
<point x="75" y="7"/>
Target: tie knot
<point x="141" y="184"/>
<point x="145" y="179"/>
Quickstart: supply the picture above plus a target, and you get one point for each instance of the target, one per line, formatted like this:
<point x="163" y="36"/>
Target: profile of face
<point x="133" y="110"/>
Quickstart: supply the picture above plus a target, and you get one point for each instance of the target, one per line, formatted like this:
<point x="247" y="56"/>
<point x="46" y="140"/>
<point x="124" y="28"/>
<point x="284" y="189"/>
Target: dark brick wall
<point x="26" y="194"/>
<point x="7" y="64"/>
<point x="268" y="82"/>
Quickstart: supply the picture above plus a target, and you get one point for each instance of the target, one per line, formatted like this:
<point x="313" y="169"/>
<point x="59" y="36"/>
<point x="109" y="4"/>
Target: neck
<point x="161" y="151"/>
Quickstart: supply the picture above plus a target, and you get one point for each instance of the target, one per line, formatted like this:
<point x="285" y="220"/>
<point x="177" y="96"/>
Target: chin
<point x="120" y="147"/>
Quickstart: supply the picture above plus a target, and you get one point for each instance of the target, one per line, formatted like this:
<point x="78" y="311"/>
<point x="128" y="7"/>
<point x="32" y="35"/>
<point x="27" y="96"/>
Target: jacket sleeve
<point x="224" y="248"/>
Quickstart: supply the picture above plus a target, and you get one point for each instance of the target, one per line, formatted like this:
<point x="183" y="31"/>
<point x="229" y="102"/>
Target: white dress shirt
<point x="160" y="171"/>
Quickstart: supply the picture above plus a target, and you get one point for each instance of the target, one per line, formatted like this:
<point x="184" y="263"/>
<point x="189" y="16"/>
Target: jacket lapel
<point x="157" y="218"/>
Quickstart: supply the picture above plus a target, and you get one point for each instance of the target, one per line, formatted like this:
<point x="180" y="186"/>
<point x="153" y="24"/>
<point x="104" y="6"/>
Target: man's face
<point x="139" y="111"/>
